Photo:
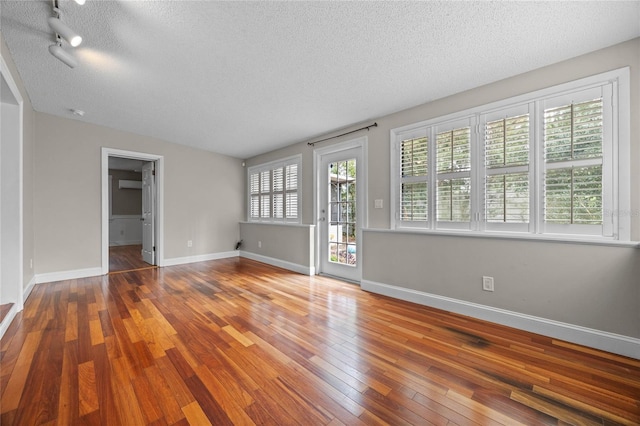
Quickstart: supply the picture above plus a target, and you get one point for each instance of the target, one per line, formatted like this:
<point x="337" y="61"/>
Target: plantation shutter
<point x="291" y="211"/>
<point x="506" y="143"/>
<point x="278" y="193"/>
<point x="254" y="185"/>
<point x="453" y="177"/>
<point x="573" y="156"/>
<point x="414" y="172"/>
<point x="265" y="194"/>
<point x="273" y="191"/>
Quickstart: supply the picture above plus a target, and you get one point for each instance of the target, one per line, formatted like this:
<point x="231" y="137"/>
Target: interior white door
<point x="148" y="213"/>
<point x="340" y="214"/>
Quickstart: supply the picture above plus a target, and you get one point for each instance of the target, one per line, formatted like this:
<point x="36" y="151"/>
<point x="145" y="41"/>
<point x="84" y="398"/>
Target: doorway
<point x="131" y="214"/>
<point x="133" y="240"/>
<point x="341" y="208"/>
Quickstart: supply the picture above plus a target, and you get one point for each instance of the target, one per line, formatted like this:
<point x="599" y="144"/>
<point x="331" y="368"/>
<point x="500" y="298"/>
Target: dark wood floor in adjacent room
<point x="234" y="341"/>
<point x="126" y="258"/>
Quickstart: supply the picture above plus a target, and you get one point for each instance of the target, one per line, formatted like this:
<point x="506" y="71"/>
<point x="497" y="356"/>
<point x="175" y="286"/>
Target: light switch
<point x="377" y="204"/>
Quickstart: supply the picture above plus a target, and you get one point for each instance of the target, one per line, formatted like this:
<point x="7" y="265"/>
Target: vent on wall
<point x="129" y="184"/>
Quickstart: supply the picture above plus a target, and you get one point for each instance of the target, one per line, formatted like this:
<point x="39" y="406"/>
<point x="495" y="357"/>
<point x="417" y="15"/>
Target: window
<point x="273" y="191"/>
<point x="553" y="162"/>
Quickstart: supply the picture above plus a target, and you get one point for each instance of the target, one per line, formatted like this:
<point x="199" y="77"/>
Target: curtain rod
<point x="343" y="134"/>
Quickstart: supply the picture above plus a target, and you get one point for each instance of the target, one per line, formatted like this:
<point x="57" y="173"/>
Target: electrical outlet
<point x="189" y="243"/>
<point x="259" y="244"/>
<point x="487" y="283"/>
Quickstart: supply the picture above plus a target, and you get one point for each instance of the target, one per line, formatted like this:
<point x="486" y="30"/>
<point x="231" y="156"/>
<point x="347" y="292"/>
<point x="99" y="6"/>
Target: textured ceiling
<point x="243" y="78"/>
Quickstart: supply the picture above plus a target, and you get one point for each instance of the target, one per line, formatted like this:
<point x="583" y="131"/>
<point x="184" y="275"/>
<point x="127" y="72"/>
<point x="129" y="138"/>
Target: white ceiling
<point x="243" y="78"/>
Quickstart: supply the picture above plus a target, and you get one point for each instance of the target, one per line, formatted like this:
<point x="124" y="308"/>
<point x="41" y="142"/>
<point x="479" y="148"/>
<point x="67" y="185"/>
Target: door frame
<point x="318" y="154"/>
<point x="159" y="213"/>
<point x="12" y="266"/>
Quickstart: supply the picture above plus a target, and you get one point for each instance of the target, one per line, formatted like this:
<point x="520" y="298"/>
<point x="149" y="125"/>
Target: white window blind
<point x="573" y="156"/>
<point x="273" y="191"/>
<point x="453" y="179"/>
<point x="291" y="188"/>
<point x="506" y="151"/>
<point x="413" y="169"/>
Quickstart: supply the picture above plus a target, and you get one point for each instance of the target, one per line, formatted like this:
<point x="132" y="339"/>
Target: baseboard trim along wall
<point x="610" y="342"/>
<point x="301" y="269"/>
<point x="199" y="258"/>
<point x="125" y="243"/>
<point x="50" y="277"/>
<point x="29" y="288"/>
<point x="94" y="272"/>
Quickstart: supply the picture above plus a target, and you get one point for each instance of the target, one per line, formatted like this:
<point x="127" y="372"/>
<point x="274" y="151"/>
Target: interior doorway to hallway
<point x="131" y="200"/>
<point x="132" y="213"/>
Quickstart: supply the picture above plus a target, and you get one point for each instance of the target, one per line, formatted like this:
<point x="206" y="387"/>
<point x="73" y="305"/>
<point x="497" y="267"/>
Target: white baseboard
<point x="610" y="342"/>
<point x="301" y="269"/>
<point x="67" y="275"/>
<point x="124" y="243"/>
<point x="199" y="258"/>
<point x="29" y="288"/>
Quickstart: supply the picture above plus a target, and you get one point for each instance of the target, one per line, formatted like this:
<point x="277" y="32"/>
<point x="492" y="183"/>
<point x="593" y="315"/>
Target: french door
<point x="340" y="213"/>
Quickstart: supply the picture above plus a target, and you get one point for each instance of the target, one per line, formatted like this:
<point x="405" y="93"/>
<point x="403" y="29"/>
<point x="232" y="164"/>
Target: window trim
<point x="619" y="211"/>
<point x="270" y="166"/>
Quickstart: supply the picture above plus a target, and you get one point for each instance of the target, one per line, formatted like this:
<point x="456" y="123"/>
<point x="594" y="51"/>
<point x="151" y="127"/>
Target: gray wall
<point x="290" y="243"/>
<point x="592" y="286"/>
<point x="596" y="286"/>
<point x="203" y="194"/>
<point x="125" y="201"/>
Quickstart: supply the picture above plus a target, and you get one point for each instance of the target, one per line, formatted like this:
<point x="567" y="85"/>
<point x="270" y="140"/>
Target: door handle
<point x="142" y="219"/>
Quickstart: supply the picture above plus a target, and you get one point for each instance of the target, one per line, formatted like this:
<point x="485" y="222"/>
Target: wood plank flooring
<point x="126" y="258"/>
<point x="235" y="341"/>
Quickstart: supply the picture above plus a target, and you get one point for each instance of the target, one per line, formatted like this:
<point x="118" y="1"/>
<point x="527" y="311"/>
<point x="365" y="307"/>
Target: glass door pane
<point x="342" y="212"/>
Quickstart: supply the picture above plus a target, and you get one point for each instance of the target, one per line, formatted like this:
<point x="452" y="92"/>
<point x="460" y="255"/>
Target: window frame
<point x="616" y="183"/>
<point x="270" y="167"/>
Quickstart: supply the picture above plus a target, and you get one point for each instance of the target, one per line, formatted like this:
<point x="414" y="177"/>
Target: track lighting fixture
<point x="57" y="51"/>
<point x="64" y="31"/>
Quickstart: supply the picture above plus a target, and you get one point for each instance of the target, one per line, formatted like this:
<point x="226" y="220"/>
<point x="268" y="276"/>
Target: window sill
<point x="512" y="236"/>
<point x="292" y="224"/>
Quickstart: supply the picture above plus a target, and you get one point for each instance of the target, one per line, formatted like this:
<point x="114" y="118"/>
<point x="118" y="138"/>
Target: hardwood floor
<point x="126" y="258"/>
<point x="235" y="341"/>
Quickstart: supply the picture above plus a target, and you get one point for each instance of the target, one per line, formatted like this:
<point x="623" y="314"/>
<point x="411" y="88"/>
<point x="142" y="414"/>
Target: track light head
<point x="65" y="32"/>
<point x="57" y="51"/>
